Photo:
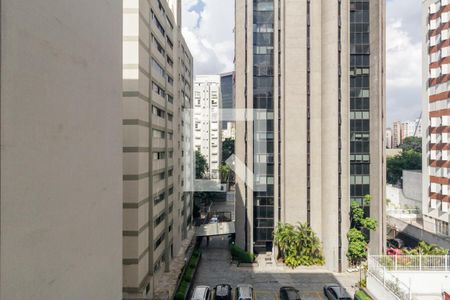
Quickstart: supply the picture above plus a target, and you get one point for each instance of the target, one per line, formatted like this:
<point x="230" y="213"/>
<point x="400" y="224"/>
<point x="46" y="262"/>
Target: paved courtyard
<point x="215" y="268"/>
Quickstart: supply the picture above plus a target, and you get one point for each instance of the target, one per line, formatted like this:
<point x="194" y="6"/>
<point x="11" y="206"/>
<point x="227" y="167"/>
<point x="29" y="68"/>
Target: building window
<point x="158" y="90"/>
<point x="158" y="199"/>
<point x="158" y="24"/>
<point x="158" y="134"/>
<point x="441" y="227"/>
<point x="159" y="155"/>
<point x="159" y="241"/>
<point x="158" y="112"/>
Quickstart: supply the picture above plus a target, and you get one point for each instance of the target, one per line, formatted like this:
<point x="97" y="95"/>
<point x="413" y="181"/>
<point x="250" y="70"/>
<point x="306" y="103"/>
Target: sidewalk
<point x="166" y="282"/>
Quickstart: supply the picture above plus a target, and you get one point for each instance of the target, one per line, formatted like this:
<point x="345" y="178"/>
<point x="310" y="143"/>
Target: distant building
<point x="388" y="138"/>
<point x="411" y="128"/>
<point x="207" y="121"/>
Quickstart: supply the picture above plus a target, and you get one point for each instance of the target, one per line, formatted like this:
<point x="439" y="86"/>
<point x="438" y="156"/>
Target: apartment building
<point x="397" y="139"/>
<point x="312" y="144"/>
<point x="227" y="102"/>
<point x="411" y="129"/>
<point x="436" y="115"/>
<point x="61" y="150"/>
<point x="157" y="93"/>
<point x="207" y="125"/>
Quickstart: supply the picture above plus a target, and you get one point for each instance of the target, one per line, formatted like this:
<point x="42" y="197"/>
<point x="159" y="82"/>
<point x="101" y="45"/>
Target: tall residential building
<point x="207" y="121"/>
<point x="61" y="158"/>
<point x="157" y="93"/>
<point x="388" y="138"/>
<point x="227" y="106"/>
<point x="436" y="115"/>
<point x="396" y="134"/>
<point x="312" y="144"/>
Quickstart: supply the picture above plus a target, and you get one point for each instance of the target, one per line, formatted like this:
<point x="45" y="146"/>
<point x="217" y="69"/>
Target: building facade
<point x="312" y="147"/>
<point x="227" y="106"/>
<point x="207" y="125"/>
<point x="436" y="114"/>
<point x="61" y="158"/>
<point x="157" y="93"/>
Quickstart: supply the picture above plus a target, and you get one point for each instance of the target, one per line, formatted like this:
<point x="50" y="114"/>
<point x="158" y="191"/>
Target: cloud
<point x="404" y="60"/>
<point x="208" y="30"/>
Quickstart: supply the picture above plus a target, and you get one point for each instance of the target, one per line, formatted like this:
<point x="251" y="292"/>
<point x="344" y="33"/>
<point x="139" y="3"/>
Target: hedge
<point x="361" y="295"/>
<point x="241" y="255"/>
<point x="188" y="275"/>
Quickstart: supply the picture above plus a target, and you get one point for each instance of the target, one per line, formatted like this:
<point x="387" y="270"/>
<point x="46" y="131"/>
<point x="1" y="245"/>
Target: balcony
<point x="408" y="277"/>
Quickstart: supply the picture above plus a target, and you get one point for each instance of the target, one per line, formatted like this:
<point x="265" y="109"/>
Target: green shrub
<point x="182" y="290"/>
<point x="241" y="255"/>
<point x="188" y="275"/>
<point x="361" y="295"/>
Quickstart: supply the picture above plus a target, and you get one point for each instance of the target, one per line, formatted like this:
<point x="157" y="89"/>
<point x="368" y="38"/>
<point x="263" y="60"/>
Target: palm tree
<point x="298" y="244"/>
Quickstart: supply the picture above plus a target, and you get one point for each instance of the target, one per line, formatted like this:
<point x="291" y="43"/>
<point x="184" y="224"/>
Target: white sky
<point x="208" y="28"/>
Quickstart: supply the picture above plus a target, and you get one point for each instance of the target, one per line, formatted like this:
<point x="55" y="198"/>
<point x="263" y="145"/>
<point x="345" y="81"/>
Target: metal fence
<point x="379" y="271"/>
<point x="432" y="263"/>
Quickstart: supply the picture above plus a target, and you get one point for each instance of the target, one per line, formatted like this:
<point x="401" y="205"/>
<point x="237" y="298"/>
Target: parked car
<point x="201" y="292"/>
<point x="395" y="243"/>
<point x="222" y="292"/>
<point x="289" y="293"/>
<point x="334" y="291"/>
<point x="245" y="292"/>
<point x="393" y="251"/>
<point x="214" y="219"/>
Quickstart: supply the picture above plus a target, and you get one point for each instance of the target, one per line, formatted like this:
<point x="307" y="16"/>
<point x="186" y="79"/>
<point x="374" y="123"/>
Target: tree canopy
<point x="357" y="239"/>
<point x="227" y="149"/>
<point x="201" y="165"/>
<point x="412" y="143"/>
<point x="407" y="160"/>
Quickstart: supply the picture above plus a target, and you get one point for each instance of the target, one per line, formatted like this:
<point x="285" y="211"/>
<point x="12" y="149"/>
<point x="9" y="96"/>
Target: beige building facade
<point x="61" y="154"/>
<point x="157" y="93"/>
<point x="305" y="82"/>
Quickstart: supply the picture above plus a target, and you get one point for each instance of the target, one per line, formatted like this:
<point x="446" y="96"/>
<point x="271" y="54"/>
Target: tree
<point x="201" y="165"/>
<point x="225" y="173"/>
<point x="227" y="149"/>
<point x="424" y="248"/>
<point x="412" y="143"/>
<point x="357" y="240"/>
<point x="407" y="160"/>
<point x="298" y="245"/>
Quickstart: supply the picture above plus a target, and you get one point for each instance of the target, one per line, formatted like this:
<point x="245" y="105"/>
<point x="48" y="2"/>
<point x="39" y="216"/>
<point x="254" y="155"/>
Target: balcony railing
<point x="385" y="269"/>
<point x="425" y="263"/>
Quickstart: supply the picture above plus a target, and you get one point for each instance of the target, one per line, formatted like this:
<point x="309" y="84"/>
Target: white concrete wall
<point x="425" y="282"/>
<point x="412" y="185"/>
<point x="61" y="154"/>
<point x="397" y="198"/>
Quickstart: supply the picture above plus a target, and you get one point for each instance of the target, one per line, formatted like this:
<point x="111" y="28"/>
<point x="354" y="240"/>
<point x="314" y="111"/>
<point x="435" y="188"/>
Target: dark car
<point x="222" y="292"/>
<point x="289" y="293"/>
<point x="334" y="291"/>
<point x="395" y="243"/>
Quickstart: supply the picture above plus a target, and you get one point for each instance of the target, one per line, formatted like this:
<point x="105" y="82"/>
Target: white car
<point x="214" y="220"/>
